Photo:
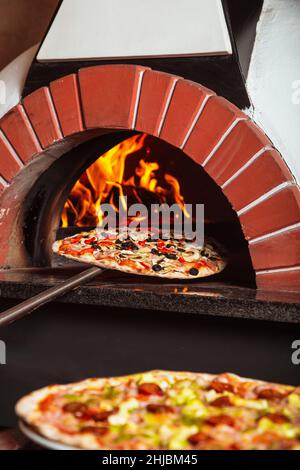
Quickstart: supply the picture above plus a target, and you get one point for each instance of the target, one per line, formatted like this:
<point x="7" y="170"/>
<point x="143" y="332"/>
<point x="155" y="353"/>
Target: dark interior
<point x="43" y="208"/>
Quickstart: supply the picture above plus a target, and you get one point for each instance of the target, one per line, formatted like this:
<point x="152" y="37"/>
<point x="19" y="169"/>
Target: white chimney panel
<point x="102" y="29"/>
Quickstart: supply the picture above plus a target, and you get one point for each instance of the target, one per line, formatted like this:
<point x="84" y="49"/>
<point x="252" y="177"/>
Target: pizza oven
<point x="172" y="139"/>
<point x="93" y="132"/>
<point x="93" y="125"/>
<point x="165" y="139"/>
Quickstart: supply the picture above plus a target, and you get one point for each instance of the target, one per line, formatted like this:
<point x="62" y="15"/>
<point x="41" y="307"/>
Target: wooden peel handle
<point x="26" y="307"/>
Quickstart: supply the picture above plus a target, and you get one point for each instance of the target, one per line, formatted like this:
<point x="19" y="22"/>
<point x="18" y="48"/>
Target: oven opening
<point x="136" y="168"/>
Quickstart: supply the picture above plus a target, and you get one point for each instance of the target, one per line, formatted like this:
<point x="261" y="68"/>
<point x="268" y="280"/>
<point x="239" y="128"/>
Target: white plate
<point x="42" y="441"/>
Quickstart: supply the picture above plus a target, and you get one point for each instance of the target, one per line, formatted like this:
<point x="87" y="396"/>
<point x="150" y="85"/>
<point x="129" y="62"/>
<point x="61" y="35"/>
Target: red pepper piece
<point x="90" y="241"/>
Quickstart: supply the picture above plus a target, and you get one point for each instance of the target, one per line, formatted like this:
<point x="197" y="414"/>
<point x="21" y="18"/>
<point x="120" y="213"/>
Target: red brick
<point x="278" y="211"/>
<point x="2" y="188"/>
<point x="244" y="141"/>
<point x="41" y="112"/>
<point x="183" y="108"/>
<point x="266" y="172"/>
<point x="282" y="280"/>
<point x="67" y="104"/>
<point x="155" y="90"/>
<point x="109" y="94"/>
<point x="216" y="117"/>
<point x="9" y="165"/>
<point x="17" y="128"/>
<point x="276" y="252"/>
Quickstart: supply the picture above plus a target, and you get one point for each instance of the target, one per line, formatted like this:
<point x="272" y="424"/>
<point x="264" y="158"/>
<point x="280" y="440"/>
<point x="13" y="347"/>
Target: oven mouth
<point x="44" y="206"/>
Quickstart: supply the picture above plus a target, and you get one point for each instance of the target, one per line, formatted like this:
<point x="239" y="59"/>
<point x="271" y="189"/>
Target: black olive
<point x="193" y="271"/>
<point x="133" y="246"/>
<point x="170" y="255"/>
<point x="128" y="246"/>
<point x="95" y="246"/>
<point x="156" y="267"/>
<point x="169" y="245"/>
<point x="180" y="249"/>
<point x="154" y="251"/>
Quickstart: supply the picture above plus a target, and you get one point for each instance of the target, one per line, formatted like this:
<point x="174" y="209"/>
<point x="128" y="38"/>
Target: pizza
<point x="167" y="410"/>
<point x="174" y="259"/>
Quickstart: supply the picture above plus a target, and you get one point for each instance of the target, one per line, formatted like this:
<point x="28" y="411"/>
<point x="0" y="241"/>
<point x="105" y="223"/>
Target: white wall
<point x="12" y="79"/>
<point x="274" y="78"/>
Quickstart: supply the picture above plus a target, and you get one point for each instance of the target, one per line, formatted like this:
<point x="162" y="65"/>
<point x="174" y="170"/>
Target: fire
<point x="105" y="179"/>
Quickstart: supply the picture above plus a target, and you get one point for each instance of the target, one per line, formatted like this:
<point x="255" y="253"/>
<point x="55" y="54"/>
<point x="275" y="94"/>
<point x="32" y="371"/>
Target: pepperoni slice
<point x="149" y="388"/>
<point x="220" y="402"/>
<point x="199" y="438"/>
<point x="97" y="431"/>
<point x="220" y="420"/>
<point x="277" y="418"/>
<point x="221" y="386"/>
<point x="159" y="408"/>
<point x="77" y="409"/>
<point x="102" y="415"/>
<point x="271" y="393"/>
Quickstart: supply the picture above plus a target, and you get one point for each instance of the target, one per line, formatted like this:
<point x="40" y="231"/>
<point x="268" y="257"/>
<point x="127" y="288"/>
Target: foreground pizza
<point x="164" y="258"/>
<point x="167" y="410"/>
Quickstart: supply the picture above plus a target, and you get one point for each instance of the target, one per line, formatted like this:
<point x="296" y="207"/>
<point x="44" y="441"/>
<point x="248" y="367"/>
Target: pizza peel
<point x="31" y="304"/>
<point x="26" y="307"/>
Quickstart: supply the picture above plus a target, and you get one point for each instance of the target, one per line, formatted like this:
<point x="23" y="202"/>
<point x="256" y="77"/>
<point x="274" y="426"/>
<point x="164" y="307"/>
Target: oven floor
<point x="112" y="288"/>
<point x="63" y="342"/>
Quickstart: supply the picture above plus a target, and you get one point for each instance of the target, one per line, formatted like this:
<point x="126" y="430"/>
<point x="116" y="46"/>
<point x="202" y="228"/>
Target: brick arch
<point x="209" y="129"/>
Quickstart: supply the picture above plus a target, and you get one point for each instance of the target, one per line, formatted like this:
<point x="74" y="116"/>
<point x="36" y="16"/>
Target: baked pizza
<point x="167" y="410"/>
<point x="174" y="259"/>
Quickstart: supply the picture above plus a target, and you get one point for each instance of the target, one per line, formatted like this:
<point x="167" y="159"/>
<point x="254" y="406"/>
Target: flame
<point x="106" y="176"/>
